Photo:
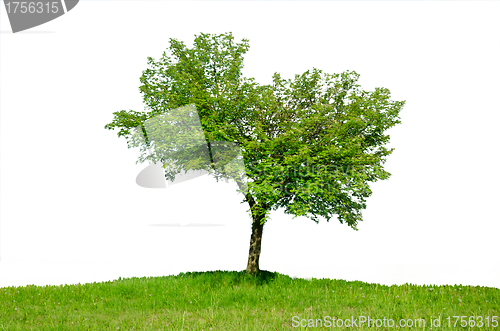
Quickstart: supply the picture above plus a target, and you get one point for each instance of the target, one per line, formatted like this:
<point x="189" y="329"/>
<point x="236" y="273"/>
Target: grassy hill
<point x="225" y="300"/>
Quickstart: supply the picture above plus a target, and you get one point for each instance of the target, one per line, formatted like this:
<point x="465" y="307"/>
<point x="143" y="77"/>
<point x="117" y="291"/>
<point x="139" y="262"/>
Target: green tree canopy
<point x="310" y="145"/>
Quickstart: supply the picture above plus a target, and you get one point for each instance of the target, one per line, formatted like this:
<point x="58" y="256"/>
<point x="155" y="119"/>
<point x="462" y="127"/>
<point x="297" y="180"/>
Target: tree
<point x="309" y="145"/>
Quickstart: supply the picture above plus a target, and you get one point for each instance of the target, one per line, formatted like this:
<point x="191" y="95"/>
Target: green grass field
<point x="224" y="300"/>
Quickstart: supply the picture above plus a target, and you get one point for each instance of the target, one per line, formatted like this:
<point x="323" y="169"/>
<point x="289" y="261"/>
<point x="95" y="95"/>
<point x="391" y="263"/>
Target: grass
<point x="224" y="300"/>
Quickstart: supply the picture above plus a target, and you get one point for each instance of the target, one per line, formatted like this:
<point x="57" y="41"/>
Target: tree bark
<point x="255" y="244"/>
<point x="258" y="212"/>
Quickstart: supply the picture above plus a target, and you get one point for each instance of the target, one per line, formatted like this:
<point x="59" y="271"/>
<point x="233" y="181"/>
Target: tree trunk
<point x="255" y="242"/>
<point x="258" y="212"/>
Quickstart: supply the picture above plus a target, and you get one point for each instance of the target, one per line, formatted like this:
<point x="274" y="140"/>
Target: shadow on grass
<point x="234" y="277"/>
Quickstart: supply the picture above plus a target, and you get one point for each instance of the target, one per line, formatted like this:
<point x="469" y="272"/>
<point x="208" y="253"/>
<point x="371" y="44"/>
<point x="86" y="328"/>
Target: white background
<point x="71" y="210"/>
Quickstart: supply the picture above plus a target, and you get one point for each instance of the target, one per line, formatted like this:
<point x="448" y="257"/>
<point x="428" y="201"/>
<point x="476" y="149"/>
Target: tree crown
<point x="310" y="144"/>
